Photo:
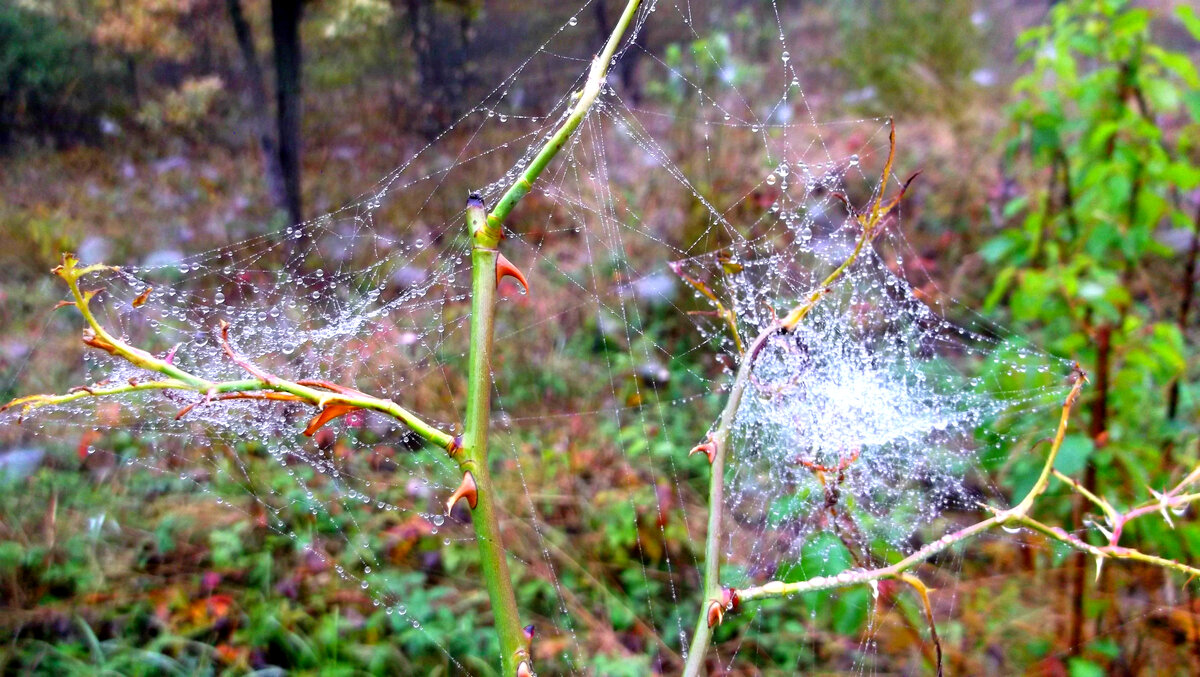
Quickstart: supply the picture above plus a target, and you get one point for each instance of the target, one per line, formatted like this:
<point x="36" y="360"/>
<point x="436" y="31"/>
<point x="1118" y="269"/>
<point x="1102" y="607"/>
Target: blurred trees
<point x="52" y="80"/>
<point x="1106" y="232"/>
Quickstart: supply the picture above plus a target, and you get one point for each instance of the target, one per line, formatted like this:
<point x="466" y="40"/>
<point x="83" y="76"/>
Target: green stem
<point x="486" y="233"/>
<point x="587" y="96"/>
<point x="698" y="650"/>
<point x="473" y="457"/>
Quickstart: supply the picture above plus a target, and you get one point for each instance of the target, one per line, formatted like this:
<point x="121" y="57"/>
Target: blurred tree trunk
<point x="285" y="32"/>
<point x="441" y="49"/>
<point x="259" y="107"/>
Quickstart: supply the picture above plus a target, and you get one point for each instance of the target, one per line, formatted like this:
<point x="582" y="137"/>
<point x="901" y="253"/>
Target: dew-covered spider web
<point x="728" y="186"/>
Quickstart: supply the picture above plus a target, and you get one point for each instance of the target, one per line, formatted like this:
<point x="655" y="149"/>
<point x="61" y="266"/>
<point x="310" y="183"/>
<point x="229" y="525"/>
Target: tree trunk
<point x="285" y="31"/>
<point x="260" y="104"/>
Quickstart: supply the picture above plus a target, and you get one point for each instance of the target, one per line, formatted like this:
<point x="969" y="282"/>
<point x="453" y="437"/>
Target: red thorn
<point x="467" y="489"/>
<point x="529" y="631"/>
<point x="141" y="298"/>
<point x="708" y="447"/>
<point x="718" y="607"/>
<point x="716" y="613"/>
<point x="170" y="358"/>
<point x="523" y="670"/>
<point x="90" y="338"/>
<point x="328" y="413"/>
<point x="504" y="267"/>
<point x="455" y="445"/>
<point x="63" y="304"/>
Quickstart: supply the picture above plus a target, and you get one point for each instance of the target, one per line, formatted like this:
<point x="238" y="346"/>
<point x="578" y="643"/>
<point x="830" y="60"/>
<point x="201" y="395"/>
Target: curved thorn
<point x="708" y="448"/>
<point x="716" y="613"/>
<point x="327" y="414"/>
<point x="504" y="267"/>
<point x="523" y="670"/>
<point x="467" y="489"/>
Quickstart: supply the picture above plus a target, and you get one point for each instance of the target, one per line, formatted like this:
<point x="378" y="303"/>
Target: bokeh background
<point x="1060" y="198"/>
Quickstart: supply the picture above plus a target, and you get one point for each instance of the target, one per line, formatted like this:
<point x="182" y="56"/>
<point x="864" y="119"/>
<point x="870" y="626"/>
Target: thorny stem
<point x="871" y="222"/>
<point x="327" y="397"/>
<point x="1017" y="516"/>
<point x="591" y="89"/>
<point x="486" y="234"/>
<point x="473" y="457"/>
<point x="332" y="400"/>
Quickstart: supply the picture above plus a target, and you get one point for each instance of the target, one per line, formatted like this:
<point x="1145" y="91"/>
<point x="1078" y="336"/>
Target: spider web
<point x="869" y="423"/>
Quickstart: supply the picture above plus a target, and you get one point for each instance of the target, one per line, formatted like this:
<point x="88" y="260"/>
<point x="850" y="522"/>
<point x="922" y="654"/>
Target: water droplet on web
<point x="438" y="520"/>
<point x="573" y="21"/>
<point x="785" y="57"/>
<point x="771" y="179"/>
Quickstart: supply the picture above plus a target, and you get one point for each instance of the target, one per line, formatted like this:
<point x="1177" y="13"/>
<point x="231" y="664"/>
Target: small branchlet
<point x="722" y="312"/>
<point x="332" y="400"/>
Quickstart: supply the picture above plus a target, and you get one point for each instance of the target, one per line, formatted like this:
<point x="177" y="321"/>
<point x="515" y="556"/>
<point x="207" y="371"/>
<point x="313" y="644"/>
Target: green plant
<point x="1107" y="127"/>
<point x="825" y="556"/>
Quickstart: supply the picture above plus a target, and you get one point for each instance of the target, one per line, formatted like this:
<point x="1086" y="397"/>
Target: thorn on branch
<point x="523" y="670"/>
<point x="328" y="413"/>
<point x="466" y="489"/>
<point x="212" y="397"/>
<point x="141" y="298"/>
<point x="708" y="448"/>
<point x="90" y="338"/>
<point x="717" y="607"/>
<point x="223" y="338"/>
<point x="505" y="268"/>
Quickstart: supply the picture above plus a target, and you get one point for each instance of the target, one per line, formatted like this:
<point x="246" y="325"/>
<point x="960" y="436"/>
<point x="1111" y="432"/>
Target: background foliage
<point x="1061" y="196"/>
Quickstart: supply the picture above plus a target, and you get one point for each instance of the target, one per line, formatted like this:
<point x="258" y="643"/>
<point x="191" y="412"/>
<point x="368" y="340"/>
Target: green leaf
<point x="1179" y="64"/>
<point x="1187" y="16"/>
<point x="850" y="611"/>
<point x="999" y="288"/>
<point x="1073" y="454"/>
<point x="1079" y="667"/>
<point x="823" y="555"/>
